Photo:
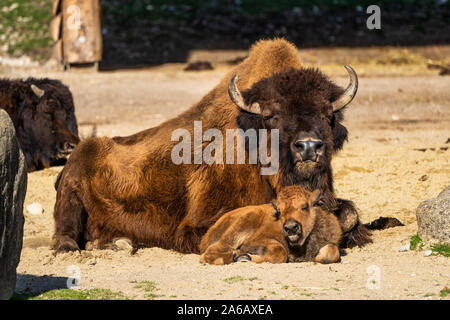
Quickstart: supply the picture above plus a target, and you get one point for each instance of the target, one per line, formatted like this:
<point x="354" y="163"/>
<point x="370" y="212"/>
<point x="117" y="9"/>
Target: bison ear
<point x="315" y="198"/>
<point x="340" y="135"/>
<point x="276" y="211"/>
<point x="37" y="91"/>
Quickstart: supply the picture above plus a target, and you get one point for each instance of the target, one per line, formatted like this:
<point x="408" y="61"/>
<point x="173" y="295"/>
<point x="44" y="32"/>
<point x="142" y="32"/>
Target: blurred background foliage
<point x="158" y="31"/>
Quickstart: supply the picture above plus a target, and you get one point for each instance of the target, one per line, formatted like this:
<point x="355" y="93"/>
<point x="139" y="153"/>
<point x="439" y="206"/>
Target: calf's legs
<point x="269" y="250"/>
<point x="217" y="254"/>
<point x="328" y="254"/>
<point x="264" y="250"/>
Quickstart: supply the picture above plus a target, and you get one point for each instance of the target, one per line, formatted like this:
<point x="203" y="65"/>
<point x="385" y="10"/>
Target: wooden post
<point x="55" y="28"/>
<point x="81" y="31"/>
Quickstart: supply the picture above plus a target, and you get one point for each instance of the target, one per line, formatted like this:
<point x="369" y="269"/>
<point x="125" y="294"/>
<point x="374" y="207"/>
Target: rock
<point x="13" y="186"/>
<point x="427" y="253"/>
<point x="199" y="66"/>
<point x="404" y="248"/>
<point x="35" y="208"/>
<point x="123" y="244"/>
<point x="433" y="217"/>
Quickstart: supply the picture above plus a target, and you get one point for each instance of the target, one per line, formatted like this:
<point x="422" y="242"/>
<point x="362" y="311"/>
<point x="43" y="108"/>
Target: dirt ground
<point x="397" y="110"/>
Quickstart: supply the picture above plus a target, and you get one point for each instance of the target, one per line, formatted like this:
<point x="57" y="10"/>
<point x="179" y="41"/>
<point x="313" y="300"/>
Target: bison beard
<point x="129" y="187"/>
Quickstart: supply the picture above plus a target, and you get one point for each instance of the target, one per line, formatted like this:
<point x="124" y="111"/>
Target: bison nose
<point x="308" y="149"/>
<point x="68" y="146"/>
<point x="292" y="227"/>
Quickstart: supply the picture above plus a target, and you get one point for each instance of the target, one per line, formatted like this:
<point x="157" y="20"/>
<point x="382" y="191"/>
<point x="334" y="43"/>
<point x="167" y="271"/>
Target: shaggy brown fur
<point x="319" y="233"/>
<point x="46" y="126"/>
<point x="129" y="186"/>
<point x="256" y="233"/>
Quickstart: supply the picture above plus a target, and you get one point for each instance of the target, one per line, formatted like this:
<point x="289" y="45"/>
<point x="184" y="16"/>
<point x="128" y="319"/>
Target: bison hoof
<point x="123" y="244"/>
<point x="243" y="258"/>
<point x="65" y="244"/>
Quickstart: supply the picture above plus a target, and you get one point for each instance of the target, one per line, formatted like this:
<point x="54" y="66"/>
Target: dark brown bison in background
<point x="130" y="187"/>
<point x="43" y="114"/>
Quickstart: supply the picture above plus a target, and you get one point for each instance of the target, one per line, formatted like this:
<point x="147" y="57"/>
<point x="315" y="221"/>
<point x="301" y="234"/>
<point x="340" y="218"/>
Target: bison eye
<point x="272" y="121"/>
<point x="305" y="207"/>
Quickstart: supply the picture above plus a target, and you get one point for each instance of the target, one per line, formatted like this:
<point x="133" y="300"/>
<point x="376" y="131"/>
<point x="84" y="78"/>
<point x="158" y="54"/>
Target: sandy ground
<point x="379" y="169"/>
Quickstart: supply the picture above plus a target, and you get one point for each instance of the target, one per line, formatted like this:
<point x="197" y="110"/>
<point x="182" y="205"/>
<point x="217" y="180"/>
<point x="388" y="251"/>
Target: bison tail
<point x="384" y="223"/>
<point x="359" y="236"/>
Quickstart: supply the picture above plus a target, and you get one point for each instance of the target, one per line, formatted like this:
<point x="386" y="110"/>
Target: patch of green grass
<point x="149" y="287"/>
<point x="335" y="289"/>
<point x="152" y="296"/>
<point x="444" y="292"/>
<point x="234" y="279"/>
<point x="416" y="243"/>
<point x="442" y="249"/>
<point x="262" y="298"/>
<point x="303" y="292"/>
<point x="24" y="27"/>
<point x="70" y="294"/>
<point x="428" y="295"/>
<point x="285" y="287"/>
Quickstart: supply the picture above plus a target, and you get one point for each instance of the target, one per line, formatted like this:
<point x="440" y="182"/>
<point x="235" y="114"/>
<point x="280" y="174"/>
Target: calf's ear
<point x="276" y="211"/>
<point x="315" y="197"/>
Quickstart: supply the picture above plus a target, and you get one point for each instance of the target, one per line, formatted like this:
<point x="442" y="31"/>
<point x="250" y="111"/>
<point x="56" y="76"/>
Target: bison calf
<point x="293" y="229"/>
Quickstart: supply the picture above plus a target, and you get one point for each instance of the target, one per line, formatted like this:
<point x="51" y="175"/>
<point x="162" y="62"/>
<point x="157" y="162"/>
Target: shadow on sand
<point x="29" y="286"/>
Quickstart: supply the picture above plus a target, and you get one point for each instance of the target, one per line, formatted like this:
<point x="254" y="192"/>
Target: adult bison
<point x="130" y="187"/>
<point x="42" y="111"/>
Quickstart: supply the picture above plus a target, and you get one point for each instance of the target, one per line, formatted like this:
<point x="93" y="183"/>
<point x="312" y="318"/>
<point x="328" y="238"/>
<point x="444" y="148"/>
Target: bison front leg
<point x="188" y="237"/>
<point x="217" y="254"/>
<point x="192" y="228"/>
<point x="70" y="219"/>
<point x="266" y="251"/>
<point x="355" y="233"/>
<point x="328" y="254"/>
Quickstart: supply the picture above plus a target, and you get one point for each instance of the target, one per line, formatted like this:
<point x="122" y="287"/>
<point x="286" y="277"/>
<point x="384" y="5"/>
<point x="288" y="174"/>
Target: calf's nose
<point x="292" y="227"/>
<point x="308" y="149"/>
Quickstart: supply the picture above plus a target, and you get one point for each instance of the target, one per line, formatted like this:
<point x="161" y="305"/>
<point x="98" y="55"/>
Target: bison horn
<point x="349" y="93"/>
<point x="237" y="98"/>
<point x="37" y="91"/>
